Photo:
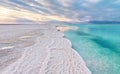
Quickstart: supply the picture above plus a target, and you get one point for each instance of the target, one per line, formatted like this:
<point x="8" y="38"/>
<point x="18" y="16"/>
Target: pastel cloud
<point x="57" y="10"/>
<point x="12" y="15"/>
<point x="66" y="3"/>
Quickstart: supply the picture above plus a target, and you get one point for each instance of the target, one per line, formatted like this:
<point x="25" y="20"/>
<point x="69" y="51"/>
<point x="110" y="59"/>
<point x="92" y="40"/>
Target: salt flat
<point x="37" y="49"/>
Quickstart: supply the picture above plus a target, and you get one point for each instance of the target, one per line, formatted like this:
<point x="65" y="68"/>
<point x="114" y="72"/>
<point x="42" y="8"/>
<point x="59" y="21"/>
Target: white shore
<point x="65" y="28"/>
<point x="39" y="49"/>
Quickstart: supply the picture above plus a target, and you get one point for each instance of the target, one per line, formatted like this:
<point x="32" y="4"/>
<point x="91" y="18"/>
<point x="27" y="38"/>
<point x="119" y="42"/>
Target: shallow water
<point x="99" y="45"/>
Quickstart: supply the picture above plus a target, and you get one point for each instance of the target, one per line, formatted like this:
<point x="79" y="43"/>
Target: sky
<point x="17" y="11"/>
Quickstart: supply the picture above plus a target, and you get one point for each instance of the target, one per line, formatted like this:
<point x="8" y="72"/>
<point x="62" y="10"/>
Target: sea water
<point x="98" y="45"/>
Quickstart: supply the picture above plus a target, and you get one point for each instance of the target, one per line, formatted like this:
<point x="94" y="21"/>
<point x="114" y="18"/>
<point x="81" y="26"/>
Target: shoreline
<point x="51" y="53"/>
<point x="66" y="28"/>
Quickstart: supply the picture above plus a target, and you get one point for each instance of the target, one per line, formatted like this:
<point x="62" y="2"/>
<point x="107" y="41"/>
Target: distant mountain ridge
<point x="104" y="22"/>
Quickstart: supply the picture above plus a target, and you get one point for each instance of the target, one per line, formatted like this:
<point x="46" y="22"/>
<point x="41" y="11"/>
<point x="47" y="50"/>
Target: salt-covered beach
<point x="38" y="49"/>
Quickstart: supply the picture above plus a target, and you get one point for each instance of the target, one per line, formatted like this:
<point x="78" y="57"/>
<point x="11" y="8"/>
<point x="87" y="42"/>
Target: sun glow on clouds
<point x="5" y="15"/>
<point x="10" y="16"/>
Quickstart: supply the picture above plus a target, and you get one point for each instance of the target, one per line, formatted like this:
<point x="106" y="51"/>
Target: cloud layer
<point x="12" y="11"/>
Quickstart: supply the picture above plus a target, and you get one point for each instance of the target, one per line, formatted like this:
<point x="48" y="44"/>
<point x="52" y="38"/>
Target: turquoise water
<point x="99" y="45"/>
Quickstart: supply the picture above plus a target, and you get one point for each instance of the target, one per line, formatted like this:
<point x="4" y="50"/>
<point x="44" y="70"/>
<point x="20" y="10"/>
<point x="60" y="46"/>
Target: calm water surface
<point x="99" y="45"/>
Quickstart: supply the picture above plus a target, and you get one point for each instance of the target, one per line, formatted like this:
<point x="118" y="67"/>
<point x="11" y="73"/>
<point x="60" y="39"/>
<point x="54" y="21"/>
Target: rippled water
<point x="99" y="45"/>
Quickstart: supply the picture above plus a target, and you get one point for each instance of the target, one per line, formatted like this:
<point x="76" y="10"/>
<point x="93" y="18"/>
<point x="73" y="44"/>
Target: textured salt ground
<point x="39" y="51"/>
